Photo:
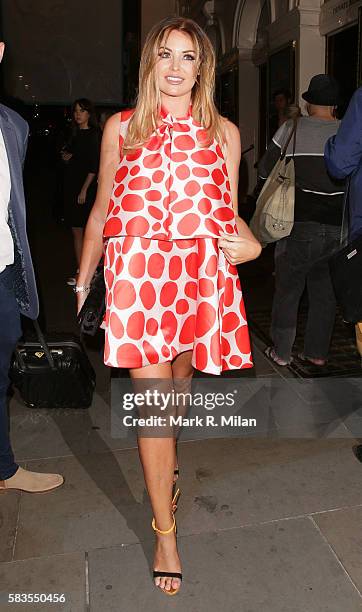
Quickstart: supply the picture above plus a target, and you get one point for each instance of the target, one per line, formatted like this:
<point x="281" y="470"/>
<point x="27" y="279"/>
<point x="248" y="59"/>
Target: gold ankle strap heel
<point x="157" y="573"/>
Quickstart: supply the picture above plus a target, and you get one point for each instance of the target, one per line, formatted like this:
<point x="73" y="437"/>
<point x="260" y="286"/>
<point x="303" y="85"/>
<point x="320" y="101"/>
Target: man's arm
<point x="343" y="152"/>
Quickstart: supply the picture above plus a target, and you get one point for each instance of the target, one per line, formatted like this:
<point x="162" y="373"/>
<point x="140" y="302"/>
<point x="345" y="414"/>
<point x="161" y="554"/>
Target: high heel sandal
<point x="157" y="573"/>
<point x="174" y="504"/>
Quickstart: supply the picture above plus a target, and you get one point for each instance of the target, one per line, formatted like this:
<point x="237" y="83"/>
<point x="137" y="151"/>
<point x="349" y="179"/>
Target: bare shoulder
<point x="111" y="131"/>
<point x="231" y="130"/>
<point x="232" y="140"/>
<point x="113" y="121"/>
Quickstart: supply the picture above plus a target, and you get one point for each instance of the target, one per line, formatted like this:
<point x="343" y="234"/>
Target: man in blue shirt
<point x="343" y="156"/>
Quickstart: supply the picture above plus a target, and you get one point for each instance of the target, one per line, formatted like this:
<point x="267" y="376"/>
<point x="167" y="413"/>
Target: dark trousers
<point x="10" y="332"/>
<point x="301" y="260"/>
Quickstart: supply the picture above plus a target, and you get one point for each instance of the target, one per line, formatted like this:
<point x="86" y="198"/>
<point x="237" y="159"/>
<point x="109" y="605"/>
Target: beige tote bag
<point x="274" y="215"/>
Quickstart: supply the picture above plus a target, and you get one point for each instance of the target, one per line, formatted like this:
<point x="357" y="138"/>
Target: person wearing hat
<point x="301" y="259"/>
<point x="343" y="154"/>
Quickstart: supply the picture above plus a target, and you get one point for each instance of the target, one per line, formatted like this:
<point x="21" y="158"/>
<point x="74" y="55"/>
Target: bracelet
<point x="81" y="289"/>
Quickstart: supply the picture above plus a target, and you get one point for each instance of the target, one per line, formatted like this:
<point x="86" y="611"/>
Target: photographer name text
<point x="180" y="421"/>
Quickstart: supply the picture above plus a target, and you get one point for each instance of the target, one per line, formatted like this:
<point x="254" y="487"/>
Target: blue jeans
<point x="301" y="260"/>
<point x="10" y="332"/>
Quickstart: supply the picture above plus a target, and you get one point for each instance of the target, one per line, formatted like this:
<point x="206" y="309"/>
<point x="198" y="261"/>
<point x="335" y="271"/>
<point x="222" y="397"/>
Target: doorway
<point x="342" y="62"/>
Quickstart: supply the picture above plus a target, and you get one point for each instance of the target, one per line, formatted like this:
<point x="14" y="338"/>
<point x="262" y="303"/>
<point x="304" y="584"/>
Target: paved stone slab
<point x="60" y="574"/>
<point x="103" y="502"/>
<point x="9" y="509"/>
<point x="41" y="434"/>
<point x="280" y="567"/>
<point x="224" y="484"/>
<point x="229" y="483"/>
<point x="343" y="532"/>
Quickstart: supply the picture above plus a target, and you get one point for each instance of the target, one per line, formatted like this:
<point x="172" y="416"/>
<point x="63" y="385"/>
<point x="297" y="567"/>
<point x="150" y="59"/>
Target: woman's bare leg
<point x="182" y="373"/>
<point x="158" y="459"/>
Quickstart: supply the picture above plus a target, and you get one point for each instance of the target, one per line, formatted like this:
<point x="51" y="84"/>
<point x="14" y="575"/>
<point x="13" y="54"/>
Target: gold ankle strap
<point x="160" y="530"/>
<point x="174" y="499"/>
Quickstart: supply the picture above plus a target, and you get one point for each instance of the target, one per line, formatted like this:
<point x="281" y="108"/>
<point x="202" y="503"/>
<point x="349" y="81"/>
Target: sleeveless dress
<point x="169" y="288"/>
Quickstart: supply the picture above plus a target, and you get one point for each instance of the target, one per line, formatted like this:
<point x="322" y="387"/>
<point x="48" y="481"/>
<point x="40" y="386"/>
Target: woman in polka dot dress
<point x="166" y="209"/>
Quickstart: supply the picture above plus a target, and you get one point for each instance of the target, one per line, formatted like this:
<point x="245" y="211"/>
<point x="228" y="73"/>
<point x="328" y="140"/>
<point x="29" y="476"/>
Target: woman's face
<point x="81" y="116"/>
<point x="176" y="68"/>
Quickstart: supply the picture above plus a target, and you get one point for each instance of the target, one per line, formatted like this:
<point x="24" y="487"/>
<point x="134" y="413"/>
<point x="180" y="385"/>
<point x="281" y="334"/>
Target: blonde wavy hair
<point x="145" y="118"/>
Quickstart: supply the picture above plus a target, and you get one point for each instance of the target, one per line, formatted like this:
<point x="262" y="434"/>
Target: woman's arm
<point x="83" y="193"/>
<point x="93" y="237"/>
<point x="244" y="247"/>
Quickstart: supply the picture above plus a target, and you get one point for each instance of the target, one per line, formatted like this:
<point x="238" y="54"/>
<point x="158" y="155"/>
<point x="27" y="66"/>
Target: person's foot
<point x="271" y="354"/>
<point x="317" y="362"/>
<point x="166" y="559"/>
<point x="31" y="482"/>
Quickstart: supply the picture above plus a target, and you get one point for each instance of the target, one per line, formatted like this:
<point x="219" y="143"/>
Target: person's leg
<point x="321" y="296"/>
<point x="182" y="373"/>
<point x="359" y="338"/>
<point x="291" y="265"/>
<point x="78" y="233"/>
<point x="11" y="475"/>
<point x="10" y="332"/>
<point x="157" y="456"/>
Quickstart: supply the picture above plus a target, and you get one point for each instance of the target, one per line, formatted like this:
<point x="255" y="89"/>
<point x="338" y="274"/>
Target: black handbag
<point x="346" y="272"/>
<point x="92" y="312"/>
<point x="53" y="373"/>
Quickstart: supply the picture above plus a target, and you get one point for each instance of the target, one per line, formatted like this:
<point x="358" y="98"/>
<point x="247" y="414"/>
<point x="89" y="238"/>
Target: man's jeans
<point x="301" y="260"/>
<point x="10" y="332"/>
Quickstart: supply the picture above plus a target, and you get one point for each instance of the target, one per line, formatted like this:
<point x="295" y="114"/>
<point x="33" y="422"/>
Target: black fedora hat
<point x="323" y="90"/>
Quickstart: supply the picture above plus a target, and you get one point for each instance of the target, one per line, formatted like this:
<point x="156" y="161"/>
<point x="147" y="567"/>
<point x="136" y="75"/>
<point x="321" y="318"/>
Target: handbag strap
<point x="44" y="345"/>
<point x="293" y="134"/>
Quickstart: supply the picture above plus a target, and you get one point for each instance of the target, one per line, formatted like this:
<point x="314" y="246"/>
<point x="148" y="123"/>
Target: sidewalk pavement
<point x="265" y="524"/>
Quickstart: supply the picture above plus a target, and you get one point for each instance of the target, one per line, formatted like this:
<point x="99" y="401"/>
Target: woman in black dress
<point x="81" y="159"/>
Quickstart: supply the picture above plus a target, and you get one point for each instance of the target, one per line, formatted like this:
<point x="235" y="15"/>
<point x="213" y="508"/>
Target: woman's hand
<point x="82" y="196"/>
<point x="66" y="156"/>
<point x="238" y="250"/>
<point x="242" y="248"/>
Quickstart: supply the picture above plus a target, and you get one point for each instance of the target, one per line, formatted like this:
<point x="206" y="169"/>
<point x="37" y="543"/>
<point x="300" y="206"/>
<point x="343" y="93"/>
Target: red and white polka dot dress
<point x="169" y="288"/>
